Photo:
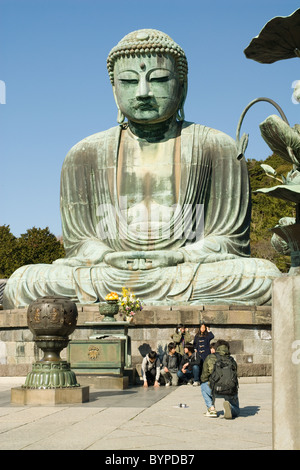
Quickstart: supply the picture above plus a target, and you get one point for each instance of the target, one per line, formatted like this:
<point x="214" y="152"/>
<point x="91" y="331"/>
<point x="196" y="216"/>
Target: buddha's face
<point x="147" y="89"/>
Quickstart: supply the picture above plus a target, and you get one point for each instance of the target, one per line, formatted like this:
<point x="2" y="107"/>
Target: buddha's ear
<point x="120" y="117"/>
<point x="180" y="110"/>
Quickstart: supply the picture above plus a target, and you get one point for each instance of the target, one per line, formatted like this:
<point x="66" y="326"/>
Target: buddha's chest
<point x="147" y="172"/>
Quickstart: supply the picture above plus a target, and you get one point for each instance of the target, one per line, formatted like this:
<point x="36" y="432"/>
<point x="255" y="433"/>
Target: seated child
<point x="170" y="365"/>
<point x="189" y="369"/>
<point x="151" y="369"/>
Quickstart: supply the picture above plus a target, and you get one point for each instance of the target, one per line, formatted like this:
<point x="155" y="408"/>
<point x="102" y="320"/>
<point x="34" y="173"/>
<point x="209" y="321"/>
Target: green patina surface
<point x="157" y="204"/>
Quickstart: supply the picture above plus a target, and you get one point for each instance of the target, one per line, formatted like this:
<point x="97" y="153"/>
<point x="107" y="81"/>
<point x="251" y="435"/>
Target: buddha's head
<point x="148" y="72"/>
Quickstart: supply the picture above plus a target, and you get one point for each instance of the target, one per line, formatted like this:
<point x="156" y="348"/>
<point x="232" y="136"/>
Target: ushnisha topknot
<point x="148" y="41"/>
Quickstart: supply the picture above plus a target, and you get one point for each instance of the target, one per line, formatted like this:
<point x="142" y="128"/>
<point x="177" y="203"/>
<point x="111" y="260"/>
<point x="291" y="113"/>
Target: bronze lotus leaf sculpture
<point x="278" y="40"/>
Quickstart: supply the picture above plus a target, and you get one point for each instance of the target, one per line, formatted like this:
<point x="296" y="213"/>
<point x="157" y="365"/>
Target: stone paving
<point x="137" y="419"/>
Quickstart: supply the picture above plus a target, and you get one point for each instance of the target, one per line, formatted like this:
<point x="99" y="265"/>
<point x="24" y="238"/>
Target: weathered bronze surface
<point x="51" y="320"/>
<point x="103" y="356"/>
<point x="51" y="374"/>
<point x="157" y="204"/>
<point x="109" y="309"/>
<point x="52" y="316"/>
<point x="279" y="39"/>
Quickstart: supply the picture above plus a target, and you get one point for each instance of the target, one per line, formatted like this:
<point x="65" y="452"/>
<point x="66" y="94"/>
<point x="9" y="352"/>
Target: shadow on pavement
<point x="249" y="411"/>
<point x="134" y="397"/>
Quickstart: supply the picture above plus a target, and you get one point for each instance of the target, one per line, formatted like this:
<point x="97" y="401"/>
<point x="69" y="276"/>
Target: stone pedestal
<point x="286" y="363"/>
<point x="54" y="396"/>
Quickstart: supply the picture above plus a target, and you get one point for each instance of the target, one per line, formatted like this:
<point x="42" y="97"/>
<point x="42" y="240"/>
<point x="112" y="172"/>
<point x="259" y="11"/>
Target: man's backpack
<point x="223" y="380"/>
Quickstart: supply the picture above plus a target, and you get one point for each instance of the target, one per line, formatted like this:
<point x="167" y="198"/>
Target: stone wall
<point x="248" y="330"/>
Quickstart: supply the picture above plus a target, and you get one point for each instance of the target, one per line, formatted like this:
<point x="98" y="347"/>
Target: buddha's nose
<point x="143" y="90"/>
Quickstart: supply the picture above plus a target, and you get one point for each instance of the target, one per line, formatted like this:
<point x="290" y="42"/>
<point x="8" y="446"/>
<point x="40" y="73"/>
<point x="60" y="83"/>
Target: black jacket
<point x="193" y="360"/>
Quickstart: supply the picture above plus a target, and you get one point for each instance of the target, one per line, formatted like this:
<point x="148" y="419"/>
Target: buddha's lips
<point x="146" y="106"/>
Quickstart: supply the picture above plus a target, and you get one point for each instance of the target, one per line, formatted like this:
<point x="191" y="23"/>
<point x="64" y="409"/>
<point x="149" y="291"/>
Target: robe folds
<point x="209" y="226"/>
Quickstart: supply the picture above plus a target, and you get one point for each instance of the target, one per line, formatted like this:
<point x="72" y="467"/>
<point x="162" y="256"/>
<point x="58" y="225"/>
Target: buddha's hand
<point x="142" y="260"/>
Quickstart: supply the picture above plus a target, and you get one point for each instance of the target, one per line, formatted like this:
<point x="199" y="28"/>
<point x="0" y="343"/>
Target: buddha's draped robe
<point x="217" y="268"/>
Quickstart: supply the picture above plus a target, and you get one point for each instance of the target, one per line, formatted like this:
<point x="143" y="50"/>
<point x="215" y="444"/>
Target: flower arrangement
<point x="129" y="304"/>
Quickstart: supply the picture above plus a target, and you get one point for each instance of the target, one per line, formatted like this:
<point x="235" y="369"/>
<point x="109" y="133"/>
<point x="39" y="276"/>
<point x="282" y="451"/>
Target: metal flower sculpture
<point x="285" y="142"/>
<point x="278" y="40"/>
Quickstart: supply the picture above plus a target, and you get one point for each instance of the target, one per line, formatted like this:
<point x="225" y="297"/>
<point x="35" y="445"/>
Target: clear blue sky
<point x="53" y="62"/>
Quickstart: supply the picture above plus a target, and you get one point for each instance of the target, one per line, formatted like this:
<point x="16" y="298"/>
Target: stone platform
<point x="104" y="382"/>
<point x="247" y="328"/>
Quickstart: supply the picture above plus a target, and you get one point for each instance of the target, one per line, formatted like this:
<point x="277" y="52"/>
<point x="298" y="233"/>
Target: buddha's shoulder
<point x="95" y="140"/>
<point x="208" y="134"/>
